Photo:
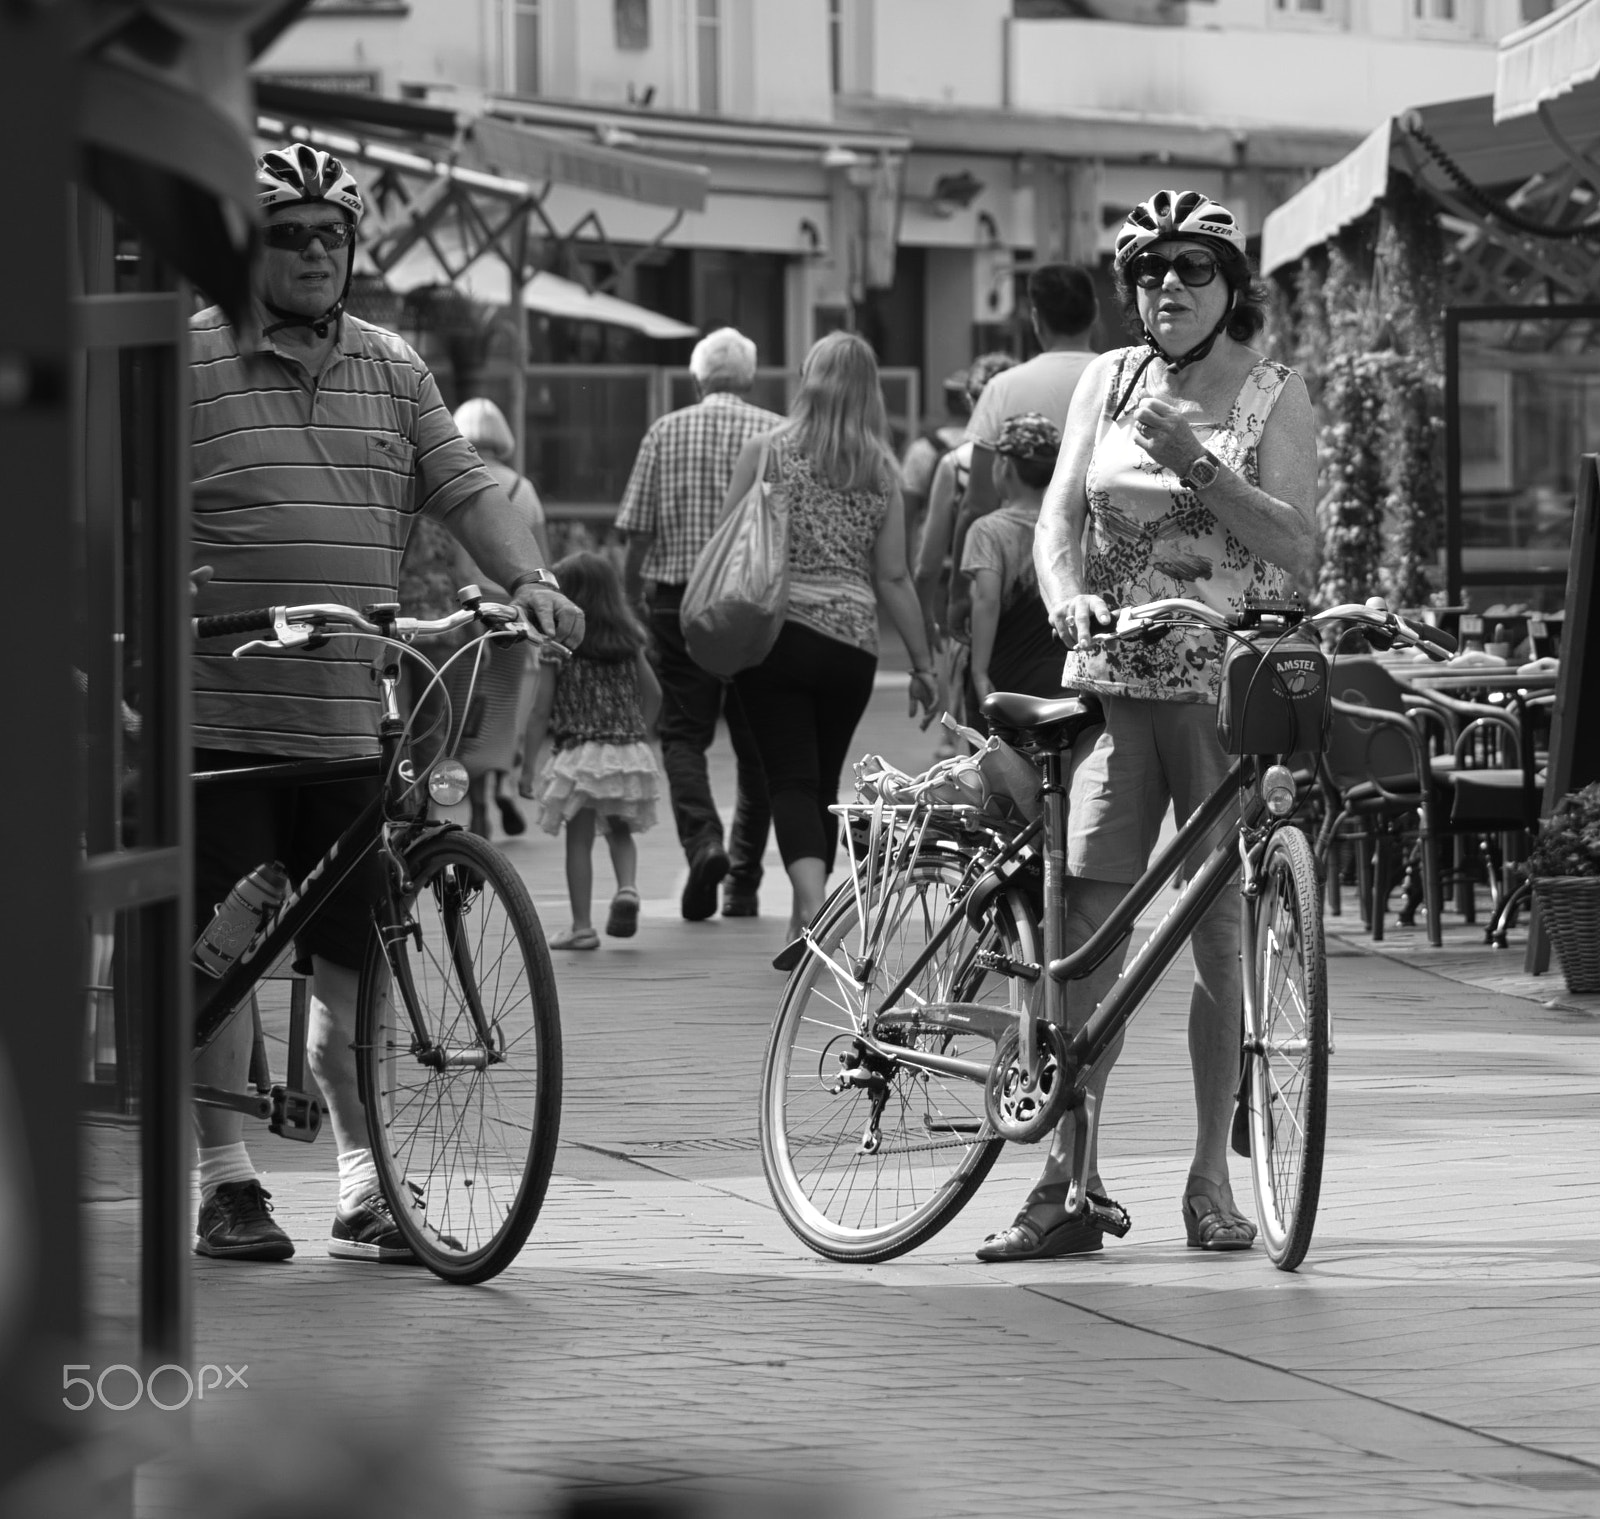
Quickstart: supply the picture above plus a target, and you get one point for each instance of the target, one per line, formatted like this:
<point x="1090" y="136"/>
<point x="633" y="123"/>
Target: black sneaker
<point x="235" y="1224"/>
<point x="706" y="871"/>
<point x="369" y="1233"/>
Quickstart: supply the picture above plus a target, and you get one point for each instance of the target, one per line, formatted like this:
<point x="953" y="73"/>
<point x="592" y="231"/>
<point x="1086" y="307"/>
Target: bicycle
<point x="458" y="1034"/>
<point x="923" y="1024"/>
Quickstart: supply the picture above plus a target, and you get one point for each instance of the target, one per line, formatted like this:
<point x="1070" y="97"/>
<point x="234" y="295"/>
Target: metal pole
<point x="519" y="348"/>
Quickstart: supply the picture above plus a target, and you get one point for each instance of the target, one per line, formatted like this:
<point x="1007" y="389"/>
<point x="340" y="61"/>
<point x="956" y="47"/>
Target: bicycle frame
<point x="1099" y="1033"/>
<point x="396" y="809"/>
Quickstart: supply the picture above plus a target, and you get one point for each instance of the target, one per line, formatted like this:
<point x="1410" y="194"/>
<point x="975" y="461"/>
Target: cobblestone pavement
<point x="1439" y="1352"/>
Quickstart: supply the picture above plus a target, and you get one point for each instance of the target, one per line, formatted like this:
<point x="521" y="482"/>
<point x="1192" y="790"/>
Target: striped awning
<point x="1552" y="57"/>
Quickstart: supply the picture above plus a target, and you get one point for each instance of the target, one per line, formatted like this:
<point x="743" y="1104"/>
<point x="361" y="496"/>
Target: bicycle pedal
<point x="1111" y="1216"/>
<point x="295" y="1115"/>
<point x="990" y="959"/>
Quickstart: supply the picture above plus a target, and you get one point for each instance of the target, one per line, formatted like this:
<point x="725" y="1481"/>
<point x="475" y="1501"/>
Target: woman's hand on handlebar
<point x="1079" y="618"/>
<point x="551" y="613"/>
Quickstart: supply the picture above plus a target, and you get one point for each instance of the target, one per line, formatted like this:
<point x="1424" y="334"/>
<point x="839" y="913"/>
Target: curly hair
<point x="1250" y="295"/>
<point x="611" y="631"/>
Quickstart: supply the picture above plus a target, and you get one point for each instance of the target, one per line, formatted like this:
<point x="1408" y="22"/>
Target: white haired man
<point x="668" y="511"/>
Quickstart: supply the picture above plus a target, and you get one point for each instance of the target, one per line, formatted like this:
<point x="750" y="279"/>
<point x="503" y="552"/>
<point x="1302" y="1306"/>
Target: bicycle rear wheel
<point x="459" y="1046"/>
<point x="1288" y="1049"/>
<point x="852" y="1190"/>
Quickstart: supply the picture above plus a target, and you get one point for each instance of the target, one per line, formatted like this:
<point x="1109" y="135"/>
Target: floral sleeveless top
<point x="597" y="701"/>
<point x="832" y="534"/>
<point x="1148" y="537"/>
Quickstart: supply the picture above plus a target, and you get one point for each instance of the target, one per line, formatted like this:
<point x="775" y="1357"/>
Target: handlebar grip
<point x="1426" y="633"/>
<point x="257" y="620"/>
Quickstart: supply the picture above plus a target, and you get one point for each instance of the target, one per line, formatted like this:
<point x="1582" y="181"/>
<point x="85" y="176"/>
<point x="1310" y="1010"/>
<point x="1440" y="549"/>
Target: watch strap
<point x="533" y="577"/>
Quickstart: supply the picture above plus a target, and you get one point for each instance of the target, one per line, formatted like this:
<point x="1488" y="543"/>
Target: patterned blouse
<point x="832" y="534"/>
<point x="1148" y="538"/>
<point x="597" y="701"/>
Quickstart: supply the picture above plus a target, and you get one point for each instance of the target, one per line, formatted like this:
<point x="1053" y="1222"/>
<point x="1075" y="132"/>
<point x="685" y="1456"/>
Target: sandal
<point x="1031" y="1239"/>
<point x="1210" y="1222"/>
<point x="575" y="938"/>
<point x="622" y="922"/>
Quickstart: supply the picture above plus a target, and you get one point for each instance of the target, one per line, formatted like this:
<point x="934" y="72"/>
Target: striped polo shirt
<point x="305" y="490"/>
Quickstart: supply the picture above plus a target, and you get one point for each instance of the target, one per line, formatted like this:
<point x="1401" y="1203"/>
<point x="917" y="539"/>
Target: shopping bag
<point x="734" y="604"/>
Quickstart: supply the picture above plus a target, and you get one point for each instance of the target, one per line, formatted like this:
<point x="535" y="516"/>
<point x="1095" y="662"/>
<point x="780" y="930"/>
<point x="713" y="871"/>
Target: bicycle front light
<point x="1278" y="791"/>
<point x="447" y="782"/>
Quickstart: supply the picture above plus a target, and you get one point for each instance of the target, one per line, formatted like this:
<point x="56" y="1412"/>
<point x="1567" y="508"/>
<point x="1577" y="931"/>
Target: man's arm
<point x="498" y="538"/>
<point x="1058" y="539"/>
<point x="639" y="545"/>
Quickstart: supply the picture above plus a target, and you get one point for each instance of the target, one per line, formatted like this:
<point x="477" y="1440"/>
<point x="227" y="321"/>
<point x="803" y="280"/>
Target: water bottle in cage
<point x="237" y="919"/>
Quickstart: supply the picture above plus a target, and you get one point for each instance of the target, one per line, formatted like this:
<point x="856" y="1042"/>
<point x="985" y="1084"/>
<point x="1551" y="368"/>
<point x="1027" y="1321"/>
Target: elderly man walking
<point x="671" y="505"/>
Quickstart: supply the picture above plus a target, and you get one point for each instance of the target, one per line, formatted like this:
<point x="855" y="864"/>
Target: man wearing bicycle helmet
<point x="1188" y="468"/>
<point x="317" y="439"/>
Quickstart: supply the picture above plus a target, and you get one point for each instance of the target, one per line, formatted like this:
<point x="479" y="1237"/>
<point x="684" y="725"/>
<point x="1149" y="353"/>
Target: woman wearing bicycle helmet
<point x="1188" y="468"/>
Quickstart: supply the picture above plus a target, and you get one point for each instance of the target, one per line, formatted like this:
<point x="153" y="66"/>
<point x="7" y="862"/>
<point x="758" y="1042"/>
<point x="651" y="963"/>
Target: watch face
<point x="1202" y="472"/>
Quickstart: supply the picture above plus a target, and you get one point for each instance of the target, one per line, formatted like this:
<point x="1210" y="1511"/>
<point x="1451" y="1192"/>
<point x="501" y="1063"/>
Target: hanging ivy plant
<point x="1350" y="514"/>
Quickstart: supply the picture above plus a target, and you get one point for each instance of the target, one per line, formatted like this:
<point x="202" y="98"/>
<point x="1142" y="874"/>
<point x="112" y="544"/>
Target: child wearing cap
<point x="1013" y="645"/>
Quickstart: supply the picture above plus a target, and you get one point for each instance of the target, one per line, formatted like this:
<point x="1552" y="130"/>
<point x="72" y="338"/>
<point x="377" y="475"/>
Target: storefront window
<point x="708" y="56"/>
<point x="1527" y="387"/>
<point x="525" y="50"/>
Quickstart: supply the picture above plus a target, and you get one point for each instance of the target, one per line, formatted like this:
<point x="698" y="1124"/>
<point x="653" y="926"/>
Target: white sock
<point x="358" y="1178"/>
<point x="223" y="1163"/>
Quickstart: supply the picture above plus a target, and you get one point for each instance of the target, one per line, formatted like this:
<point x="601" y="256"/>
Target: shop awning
<point x="488" y="279"/>
<point x="1551" y="57"/>
<point x="1490" y="154"/>
<point x="503" y="149"/>
<point x="163" y="126"/>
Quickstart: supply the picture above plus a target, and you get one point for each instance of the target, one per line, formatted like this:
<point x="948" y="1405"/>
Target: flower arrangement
<point x="1565" y="867"/>
<point x="1569" y="839"/>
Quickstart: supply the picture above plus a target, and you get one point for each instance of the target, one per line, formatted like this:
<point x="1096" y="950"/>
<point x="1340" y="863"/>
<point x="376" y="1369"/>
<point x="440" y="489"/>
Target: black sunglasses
<point x="295" y="237"/>
<point x="1149" y="270"/>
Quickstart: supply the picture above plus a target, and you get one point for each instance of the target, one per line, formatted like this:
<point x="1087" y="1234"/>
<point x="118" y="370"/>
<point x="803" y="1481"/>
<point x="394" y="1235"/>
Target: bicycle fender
<point x="1013" y="873"/>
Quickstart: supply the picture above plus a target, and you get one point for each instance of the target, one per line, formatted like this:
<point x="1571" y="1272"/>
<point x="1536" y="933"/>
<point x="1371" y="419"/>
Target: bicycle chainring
<point x="1023" y="1111"/>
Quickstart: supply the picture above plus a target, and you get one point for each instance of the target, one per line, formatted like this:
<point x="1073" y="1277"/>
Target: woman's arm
<point x="985" y="621"/>
<point x="649" y="692"/>
<point x="1058" y="539"/>
<point x="1274" y="519"/>
<point x="900" y="602"/>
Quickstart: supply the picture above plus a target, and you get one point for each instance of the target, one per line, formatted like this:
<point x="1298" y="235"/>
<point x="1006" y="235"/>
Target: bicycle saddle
<point x="1040" y="719"/>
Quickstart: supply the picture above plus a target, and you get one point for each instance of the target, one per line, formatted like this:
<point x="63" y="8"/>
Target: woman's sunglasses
<point x="295" y="237"/>
<point x="1149" y="270"/>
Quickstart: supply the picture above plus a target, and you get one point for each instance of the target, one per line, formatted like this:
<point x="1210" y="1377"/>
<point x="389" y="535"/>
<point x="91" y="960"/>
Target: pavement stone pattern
<point x="1438" y="1353"/>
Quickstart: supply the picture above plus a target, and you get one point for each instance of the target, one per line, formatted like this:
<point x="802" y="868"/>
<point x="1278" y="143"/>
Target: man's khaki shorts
<point x="1148" y="754"/>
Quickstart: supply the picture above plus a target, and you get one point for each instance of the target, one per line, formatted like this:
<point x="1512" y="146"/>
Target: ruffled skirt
<point x="616" y="780"/>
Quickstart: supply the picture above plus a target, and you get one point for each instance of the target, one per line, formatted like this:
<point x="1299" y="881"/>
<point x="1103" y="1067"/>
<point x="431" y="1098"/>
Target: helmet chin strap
<point x="1174" y="365"/>
<point x="319" y="325"/>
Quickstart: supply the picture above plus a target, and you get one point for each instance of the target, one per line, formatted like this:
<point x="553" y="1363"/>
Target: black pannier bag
<point x="1273" y="698"/>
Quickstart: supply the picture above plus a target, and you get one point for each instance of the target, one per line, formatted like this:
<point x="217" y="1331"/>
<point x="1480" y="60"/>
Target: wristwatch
<point x="533" y="577"/>
<point x="1202" y="472"/>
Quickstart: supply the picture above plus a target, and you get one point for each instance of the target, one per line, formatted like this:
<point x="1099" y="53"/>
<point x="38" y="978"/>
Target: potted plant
<point x="1565" y="869"/>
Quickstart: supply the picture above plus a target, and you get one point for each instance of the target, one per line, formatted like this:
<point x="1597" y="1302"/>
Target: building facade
<point x="896" y="165"/>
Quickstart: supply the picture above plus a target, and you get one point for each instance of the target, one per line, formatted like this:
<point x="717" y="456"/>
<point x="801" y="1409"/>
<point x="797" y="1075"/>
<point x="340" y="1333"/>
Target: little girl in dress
<point x="597" y="712"/>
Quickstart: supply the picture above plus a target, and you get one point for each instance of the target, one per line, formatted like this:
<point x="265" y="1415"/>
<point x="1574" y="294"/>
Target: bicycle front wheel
<point x="459" y="1045"/>
<point x="1288" y="1049"/>
<point x="866" y="1166"/>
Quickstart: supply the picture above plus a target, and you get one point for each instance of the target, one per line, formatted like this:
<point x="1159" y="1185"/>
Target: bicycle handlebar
<point x="1175" y="611"/>
<point x="296" y="626"/>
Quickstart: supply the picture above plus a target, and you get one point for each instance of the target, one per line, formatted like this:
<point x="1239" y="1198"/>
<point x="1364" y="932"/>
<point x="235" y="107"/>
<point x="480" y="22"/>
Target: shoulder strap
<point x="1257" y="396"/>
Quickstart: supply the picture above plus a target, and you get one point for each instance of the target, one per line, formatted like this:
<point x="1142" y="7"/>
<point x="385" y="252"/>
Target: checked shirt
<point x="681" y="476"/>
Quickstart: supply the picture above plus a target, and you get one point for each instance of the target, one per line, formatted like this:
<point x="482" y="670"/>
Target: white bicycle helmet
<point x="299" y="172"/>
<point x="1176" y="213"/>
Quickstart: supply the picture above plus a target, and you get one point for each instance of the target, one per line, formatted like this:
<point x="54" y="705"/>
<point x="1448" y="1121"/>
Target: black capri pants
<point x="803" y="702"/>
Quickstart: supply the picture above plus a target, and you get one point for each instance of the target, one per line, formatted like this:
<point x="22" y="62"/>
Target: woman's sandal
<point x="1209" y="1223"/>
<point x="575" y="938"/>
<point x="1030" y="1238"/>
<point x="622" y="922"/>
